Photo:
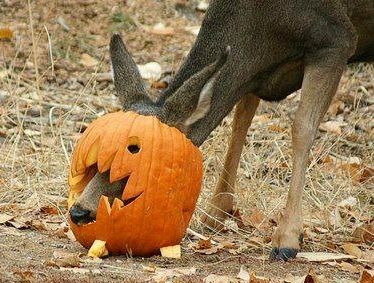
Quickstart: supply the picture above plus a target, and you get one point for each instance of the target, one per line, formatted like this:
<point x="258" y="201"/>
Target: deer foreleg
<point x="321" y="78"/>
<point x="222" y="202"/>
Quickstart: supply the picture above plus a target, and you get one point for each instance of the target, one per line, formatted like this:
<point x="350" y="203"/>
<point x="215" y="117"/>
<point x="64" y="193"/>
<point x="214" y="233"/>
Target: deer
<point x="247" y="51"/>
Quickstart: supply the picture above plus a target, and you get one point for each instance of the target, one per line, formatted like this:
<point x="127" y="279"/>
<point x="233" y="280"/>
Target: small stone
<point x="63" y="24"/>
<point x="161" y="29"/>
<point x="202" y="6"/>
<point x="34" y="111"/>
<point x="193" y="30"/>
<point x="33" y="95"/>
<point x="150" y="71"/>
<point x="104" y="77"/>
<point x="29" y="65"/>
<point x="3" y="95"/>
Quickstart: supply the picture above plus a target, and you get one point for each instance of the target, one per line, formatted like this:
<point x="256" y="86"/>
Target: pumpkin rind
<point x="164" y="176"/>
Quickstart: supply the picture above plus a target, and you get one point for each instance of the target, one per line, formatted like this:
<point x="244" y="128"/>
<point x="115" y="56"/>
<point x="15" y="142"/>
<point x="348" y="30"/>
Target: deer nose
<point x="80" y="215"/>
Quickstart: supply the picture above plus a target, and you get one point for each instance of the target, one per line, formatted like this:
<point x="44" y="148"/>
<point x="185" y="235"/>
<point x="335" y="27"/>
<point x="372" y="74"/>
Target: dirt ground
<point x="27" y="257"/>
<point x="54" y="80"/>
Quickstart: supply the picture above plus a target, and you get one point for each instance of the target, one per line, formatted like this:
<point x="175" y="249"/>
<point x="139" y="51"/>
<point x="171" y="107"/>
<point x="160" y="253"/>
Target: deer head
<point x="187" y="105"/>
<point x="183" y="108"/>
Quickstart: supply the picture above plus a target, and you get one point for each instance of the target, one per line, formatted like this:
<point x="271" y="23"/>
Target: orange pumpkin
<point x="164" y="171"/>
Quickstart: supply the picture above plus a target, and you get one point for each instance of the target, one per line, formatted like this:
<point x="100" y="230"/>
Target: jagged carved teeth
<point x="131" y="200"/>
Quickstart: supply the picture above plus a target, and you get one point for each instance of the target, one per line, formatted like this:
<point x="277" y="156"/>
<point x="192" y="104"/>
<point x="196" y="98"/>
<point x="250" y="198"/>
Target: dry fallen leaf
<point x="367" y="276"/>
<point x="231" y="224"/>
<point x="88" y="61"/>
<point x="161" y="29"/>
<point x="257" y="219"/>
<point x="171" y="251"/>
<point x="32" y="133"/>
<point x="336" y="107"/>
<point x="214" y="278"/>
<point x="19" y="223"/>
<point x="294" y="279"/>
<point x="323" y="256"/>
<point x="5" y="218"/>
<point x="257" y="241"/>
<point x="261" y="118"/>
<point x="357" y="170"/>
<point x="365" y="233"/>
<point x="208" y="251"/>
<point x="258" y="279"/>
<point x="228" y="244"/>
<point x="65" y="259"/>
<point x="98" y="249"/>
<point x="61" y="232"/>
<point x="26" y="275"/>
<point x="80" y="270"/>
<point x="151" y="269"/>
<point x="38" y="225"/>
<point x="312" y="277"/>
<point x="367" y="174"/>
<point x="354" y="170"/>
<point x="321" y="230"/>
<point x="167" y="275"/>
<point x="276" y="128"/>
<point x="49" y="210"/>
<point x="6" y="34"/>
<point x="352" y="249"/>
<point x="204" y="244"/>
<point x="9" y="231"/>
<point x="70" y="235"/>
<point x="345" y="266"/>
<point x="368" y="256"/>
<point x="333" y="127"/>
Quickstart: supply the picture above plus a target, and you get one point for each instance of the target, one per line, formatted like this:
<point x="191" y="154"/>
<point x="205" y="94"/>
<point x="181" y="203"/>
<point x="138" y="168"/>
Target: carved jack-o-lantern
<point x="163" y="170"/>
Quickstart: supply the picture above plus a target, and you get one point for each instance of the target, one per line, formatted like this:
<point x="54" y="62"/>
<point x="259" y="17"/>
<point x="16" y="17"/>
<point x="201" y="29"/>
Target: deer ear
<point x="203" y="105"/>
<point x="127" y="80"/>
<point x="192" y="101"/>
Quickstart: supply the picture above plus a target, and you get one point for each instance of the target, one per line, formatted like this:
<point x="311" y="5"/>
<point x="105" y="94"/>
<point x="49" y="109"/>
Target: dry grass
<point x="41" y="116"/>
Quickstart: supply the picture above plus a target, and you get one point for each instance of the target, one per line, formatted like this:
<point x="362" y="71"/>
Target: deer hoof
<point x="283" y="254"/>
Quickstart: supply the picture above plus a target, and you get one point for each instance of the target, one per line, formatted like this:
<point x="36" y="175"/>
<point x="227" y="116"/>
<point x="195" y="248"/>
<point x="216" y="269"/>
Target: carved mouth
<point x="114" y="201"/>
